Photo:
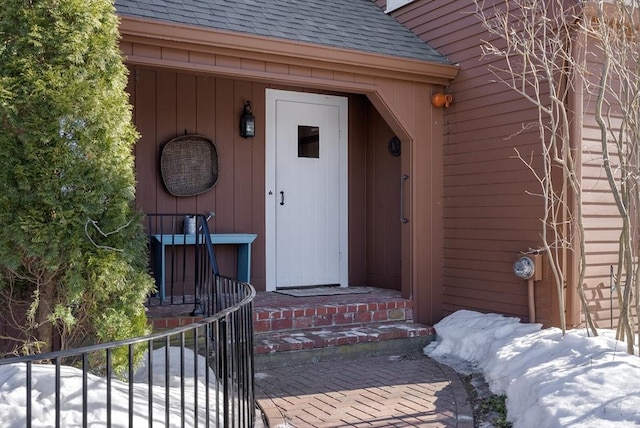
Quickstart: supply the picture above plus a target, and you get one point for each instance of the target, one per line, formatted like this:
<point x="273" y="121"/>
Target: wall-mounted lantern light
<point x="247" y="122"/>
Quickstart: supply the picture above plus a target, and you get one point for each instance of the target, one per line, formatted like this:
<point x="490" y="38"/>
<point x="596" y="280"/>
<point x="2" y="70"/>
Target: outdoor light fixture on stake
<point x="247" y="122"/>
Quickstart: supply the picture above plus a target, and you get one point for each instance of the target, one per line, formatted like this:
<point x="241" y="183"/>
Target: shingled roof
<point x="350" y="24"/>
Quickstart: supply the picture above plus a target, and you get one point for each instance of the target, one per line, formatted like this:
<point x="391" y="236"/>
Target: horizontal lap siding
<point x="601" y="219"/>
<point x="488" y="215"/>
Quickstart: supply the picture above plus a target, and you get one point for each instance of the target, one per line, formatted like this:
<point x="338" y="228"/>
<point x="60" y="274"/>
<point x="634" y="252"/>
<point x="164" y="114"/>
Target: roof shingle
<point x="350" y="24"/>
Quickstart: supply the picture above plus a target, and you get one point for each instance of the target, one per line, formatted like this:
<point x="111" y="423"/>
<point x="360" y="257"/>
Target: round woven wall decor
<point x="189" y="165"/>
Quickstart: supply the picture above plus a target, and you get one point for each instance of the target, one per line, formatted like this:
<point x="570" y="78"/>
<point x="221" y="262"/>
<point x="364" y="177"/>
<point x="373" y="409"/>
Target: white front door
<point x="306" y="185"/>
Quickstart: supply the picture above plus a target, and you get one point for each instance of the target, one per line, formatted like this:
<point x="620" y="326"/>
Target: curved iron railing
<point x="199" y="375"/>
<point x="183" y="262"/>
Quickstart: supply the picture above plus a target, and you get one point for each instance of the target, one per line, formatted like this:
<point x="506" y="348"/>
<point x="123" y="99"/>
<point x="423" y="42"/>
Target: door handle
<point x="403" y="219"/>
<point x="281" y="197"/>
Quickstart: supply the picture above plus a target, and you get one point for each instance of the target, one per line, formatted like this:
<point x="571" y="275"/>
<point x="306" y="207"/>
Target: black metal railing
<point x="182" y="258"/>
<point x="200" y="375"/>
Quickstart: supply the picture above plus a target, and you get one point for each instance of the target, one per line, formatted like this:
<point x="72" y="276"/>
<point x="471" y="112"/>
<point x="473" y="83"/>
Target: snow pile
<point x="13" y="394"/>
<point x="159" y="359"/>
<point x="549" y="380"/>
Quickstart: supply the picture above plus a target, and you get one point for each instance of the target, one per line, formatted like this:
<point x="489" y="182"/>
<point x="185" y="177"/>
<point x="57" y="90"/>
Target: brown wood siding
<point x="357" y="190"/>
<point x="383" y="206"/>
<point x="169" y="103"/>
<point x="398" y="89"/>
<point x="488" y="215"/>
<point x="601" y="218"/>
<point x="374" y="199"/>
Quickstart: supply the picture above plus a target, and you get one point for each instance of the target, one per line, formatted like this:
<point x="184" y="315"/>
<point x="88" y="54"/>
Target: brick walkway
<point x="382" y="391"/>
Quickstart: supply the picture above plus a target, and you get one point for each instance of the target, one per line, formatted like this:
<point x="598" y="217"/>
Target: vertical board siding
<point x="169" y="103"/>
<point x="257" y="190"/>
<point x="489" y="215"/>
<point x="358" y="218"/>
<point x="166" y="129"/>
<point x="145" y="150"/>
<point x="400" y="90"/>
<point x="383" y="206"/>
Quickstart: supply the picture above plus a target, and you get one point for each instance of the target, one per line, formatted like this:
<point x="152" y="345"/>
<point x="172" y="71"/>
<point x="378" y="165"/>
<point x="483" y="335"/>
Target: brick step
<point x="269" y="319"/>
<point x="296" y="317"/>
<point x="274" y="349"/>
<point x="162" y="317"/>
<point x="172" y="322"/>
<point x="283" y="341"/>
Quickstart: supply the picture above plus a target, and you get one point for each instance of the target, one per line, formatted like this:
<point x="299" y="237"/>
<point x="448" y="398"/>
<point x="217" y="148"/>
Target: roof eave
<point x="260" y="48"/>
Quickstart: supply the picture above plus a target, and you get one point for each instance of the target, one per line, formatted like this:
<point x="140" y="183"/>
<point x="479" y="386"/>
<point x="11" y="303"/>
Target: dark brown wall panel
<point x="145" y="150"/>
<point x="166" y="129"/>
<point x="358" y="120"/>
<point x="383" y="206"/>
<point x="169" y="104"/>
<point x="257" y="191"/>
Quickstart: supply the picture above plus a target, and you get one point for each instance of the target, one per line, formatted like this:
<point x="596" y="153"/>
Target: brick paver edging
<point x="464" y="407"/>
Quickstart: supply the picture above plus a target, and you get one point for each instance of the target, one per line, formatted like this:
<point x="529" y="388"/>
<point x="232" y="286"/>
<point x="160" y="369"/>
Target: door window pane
<point x="308" y="142"/>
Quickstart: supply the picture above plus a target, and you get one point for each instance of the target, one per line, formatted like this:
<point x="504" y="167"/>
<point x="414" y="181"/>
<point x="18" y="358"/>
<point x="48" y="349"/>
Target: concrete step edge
<point x="397" y="347"/>
<point x="283" y="341"/>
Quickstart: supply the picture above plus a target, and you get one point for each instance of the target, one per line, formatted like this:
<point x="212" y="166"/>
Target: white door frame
<point x="272" y="96"/>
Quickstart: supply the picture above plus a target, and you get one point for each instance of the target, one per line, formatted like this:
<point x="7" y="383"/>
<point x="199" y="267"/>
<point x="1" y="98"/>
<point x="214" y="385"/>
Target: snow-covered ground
<point x="13" y="395"/>
<point x="550" y="381"/>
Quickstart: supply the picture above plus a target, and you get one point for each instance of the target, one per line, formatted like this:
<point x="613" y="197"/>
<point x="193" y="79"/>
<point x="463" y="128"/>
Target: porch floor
<point x="268" y="299"/>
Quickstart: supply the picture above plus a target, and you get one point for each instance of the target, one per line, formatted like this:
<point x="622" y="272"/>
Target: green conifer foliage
<point x="72" y="246"/>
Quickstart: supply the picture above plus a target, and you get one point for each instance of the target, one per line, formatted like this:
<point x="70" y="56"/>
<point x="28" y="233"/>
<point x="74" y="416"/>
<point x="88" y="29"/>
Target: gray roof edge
<point x="358" y="25"/>
<point x="448" y="70"/>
